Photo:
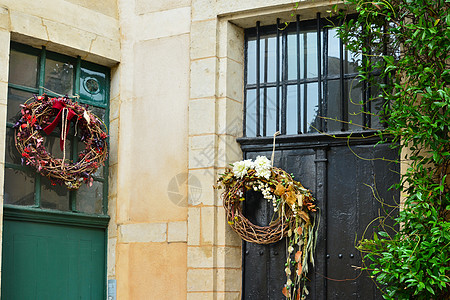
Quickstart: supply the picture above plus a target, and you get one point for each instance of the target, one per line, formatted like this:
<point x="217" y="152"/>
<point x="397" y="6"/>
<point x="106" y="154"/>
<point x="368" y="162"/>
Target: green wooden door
<point x="52" y="261"/>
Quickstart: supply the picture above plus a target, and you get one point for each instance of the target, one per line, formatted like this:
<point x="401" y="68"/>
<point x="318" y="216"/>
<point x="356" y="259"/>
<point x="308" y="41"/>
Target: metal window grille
<point x="301" y="79"/>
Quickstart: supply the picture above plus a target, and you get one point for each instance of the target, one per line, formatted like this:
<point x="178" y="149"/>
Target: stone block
<point x="231" y="41"/>
<point x="4" y="18"/>
<point x="193" y="226"/>
<point x="28" y="25"/>
<point x="201" y="296"/>
<point x="202" y="151"/>
<point x="3" y="109"/>
<point x="4" y="64"/>
<point x="157" y="271"/>
<point x="111" y="260"/>
<point x="208" y="226"/>
<point x="231" y="76"/>
<point x="202" y="116"/>
<point x="102" y="46"/>
<point x="112" y="181"/>
<point x="207" y="179"/>
<point x="203" y="39"/>
<point x="228" y="257"/>
<point x="112" y="226"/>
<point x="163" y="24"/>
<point x="144" y="6"/>
<point x="200" y="280"/>
<point x="203" y="77"/>
<point x="203" y="10"/>
<point x="229" y="151"/>
<point x="122" y="270"/>
<point x="230" y="117"/>
<point x="177" y="232"/>
<point x="106" y="7"/>
<point x="67" y="35"/>
<point x="228" y="280"/>
<point x="200" y="257"/>
<point x="226" y="235"/>
<point x="113" y="141"/>
<point x="142" y="232"/>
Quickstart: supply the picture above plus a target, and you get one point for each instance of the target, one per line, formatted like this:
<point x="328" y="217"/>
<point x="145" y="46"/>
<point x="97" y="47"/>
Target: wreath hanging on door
<point x="44" y="114"/>
<point x="294" y="215"/>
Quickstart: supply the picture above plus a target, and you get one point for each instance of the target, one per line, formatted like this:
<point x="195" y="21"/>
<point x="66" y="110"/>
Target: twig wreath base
<point x="295" y="215"/>
<point x="44" y="114"/>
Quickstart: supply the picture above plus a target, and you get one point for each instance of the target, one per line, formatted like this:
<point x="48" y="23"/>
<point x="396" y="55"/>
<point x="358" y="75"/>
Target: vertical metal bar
<point x="258" y="73"/>
<point x="299" y="110"/>
<point x="325" y="81"/>
<point x="74" y="140"/>
<point x="266" y="49"/>
<point x="284" y="76"/>
<point x="364" y="86"/>
<point x="319" y="75"/>
<point x="385" y="79"/>
<point x="342" y="90"/>
<point x="245" y="84"/>
<point x="368" y="115"/>
<point x="305" y="86"/>
<point x="320" y="287"/>
<point x="37" y="180"/>
<point x="278" y="75"/>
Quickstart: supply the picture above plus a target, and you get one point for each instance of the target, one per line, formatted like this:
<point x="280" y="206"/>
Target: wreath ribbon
<point x="61" y="106"/>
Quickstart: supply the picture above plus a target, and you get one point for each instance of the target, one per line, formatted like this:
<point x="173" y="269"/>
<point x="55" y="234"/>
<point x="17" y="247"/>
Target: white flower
<point x="240" y="169"/>
<point x="290" y="249"/>
<point x="262" y="166"/>
<point x="249" y="164"/>
<point x="289" y="282"/>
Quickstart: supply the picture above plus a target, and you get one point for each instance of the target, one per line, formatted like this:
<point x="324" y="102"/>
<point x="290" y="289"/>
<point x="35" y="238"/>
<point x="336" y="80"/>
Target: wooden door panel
<point x="51" y="261"/>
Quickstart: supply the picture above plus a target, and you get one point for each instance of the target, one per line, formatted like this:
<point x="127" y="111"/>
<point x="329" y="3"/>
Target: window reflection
<point x="59" y="77"/>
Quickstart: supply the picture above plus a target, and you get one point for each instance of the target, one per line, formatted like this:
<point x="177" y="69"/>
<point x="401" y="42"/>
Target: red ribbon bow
<point x="70" y="114"/>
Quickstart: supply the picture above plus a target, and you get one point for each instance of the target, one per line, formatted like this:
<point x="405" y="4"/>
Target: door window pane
<point x="59" y="76"/>
<point x="23" y="69"/>
<point x="333" y="52"/>
<point x="93" y="85"/>
<point x="12" y="155"/>
<point x="54" y="195"/>
<point x="90" y="199"/>
<point x="15" y="98"/>
<point x="19" y="187"/>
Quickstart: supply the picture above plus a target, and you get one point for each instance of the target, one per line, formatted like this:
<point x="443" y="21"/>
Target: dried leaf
<point x="300" y="230"/>
<point x="298" y="256"/>
<point x="86" y="117"/>
<point x="279" y="190"/>
<point x="285" y="292"/>
<point x="299" y="269"/>
<point x="298" y="295"/>
<point x="304" y="216"/>
<point x="290" y="195"/>
<point x="300" y="199"/>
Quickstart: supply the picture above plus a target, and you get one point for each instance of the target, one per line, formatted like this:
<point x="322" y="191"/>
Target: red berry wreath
<point x="44" y="114"/>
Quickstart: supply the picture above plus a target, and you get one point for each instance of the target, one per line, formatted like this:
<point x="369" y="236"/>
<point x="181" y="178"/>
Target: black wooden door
<point x="344" y="175"/>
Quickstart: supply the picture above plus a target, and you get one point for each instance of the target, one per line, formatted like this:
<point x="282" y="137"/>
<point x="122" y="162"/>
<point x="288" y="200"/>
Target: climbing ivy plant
<point x="406" y="55"/>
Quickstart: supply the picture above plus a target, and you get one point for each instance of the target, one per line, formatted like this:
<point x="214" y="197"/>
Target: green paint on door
<point x="52" y="261"/>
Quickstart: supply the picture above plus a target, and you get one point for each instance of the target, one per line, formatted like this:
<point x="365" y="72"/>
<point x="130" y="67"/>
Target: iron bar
<point x="284" y="76"/>
<point x="278" y="76"/>
<point x="305" y="87"/>
<point x="343" y="114"/>
<point x="245" y="84"/>
<point x="319" y="75"/>
<point x="299" y="115"/>
<point x="266" y="46"/>
<point x="258" y="73"/>
<point x="325" y="74"/>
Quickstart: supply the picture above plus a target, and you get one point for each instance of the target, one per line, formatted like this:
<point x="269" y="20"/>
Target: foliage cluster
<point x="406" y="55"/>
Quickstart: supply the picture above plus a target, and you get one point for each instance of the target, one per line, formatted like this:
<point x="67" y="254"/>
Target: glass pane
<point x="271" y="59"/>
<point x="12" y="155"/>
<point x="52" y="145"/>
<point x="90" y="199"/>
<point x="351" y="62"/>
<point x="93" y="85"/>
<point x="251" y="62"/>
<point x="334" y="106"/>
<point x="292" y="56"/>
<point x="59" y="76"/>
<point x="250" y="115"/>
<point x="98" y="111"/>
<point x="54" y="196"/>
<point x="23" y="68"/>
<point x="312" y="113"/>
<point x="355" y="104"/>
<point x="333" y="52"/>
<point x="19" y="187"/>
<point x="15" y="98"/>
<point x="376" y="106"/>
<point x="271" y="111"/>
<point x="292" y="107"/>
<point x="308" y="54"/>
